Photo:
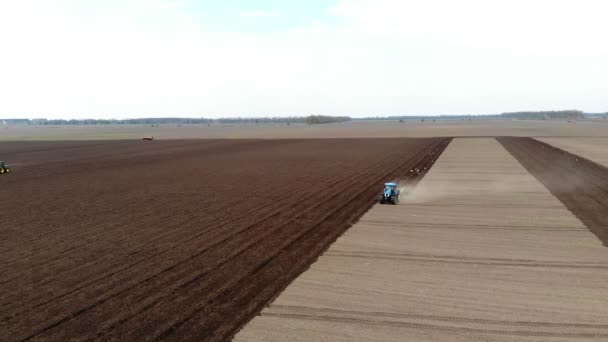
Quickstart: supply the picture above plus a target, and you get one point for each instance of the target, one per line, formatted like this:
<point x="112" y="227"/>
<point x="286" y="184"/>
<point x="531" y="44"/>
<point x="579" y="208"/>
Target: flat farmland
<point x="355" y="129"/>
<point x="594" y="149"/>
<point x="180" y="239"/>
<point x="580" y="184"/>
<point x="177" y="239"/>
<point x="484" y="248"/>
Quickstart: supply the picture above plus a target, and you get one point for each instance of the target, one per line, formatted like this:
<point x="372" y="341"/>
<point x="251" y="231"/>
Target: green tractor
<point x="4" y="168"/>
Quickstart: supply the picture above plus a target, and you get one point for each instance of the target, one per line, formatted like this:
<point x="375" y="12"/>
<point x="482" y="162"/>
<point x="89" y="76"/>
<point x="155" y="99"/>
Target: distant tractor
<point x="148" y="138"/>
<point x="390" y="194"/>
<point x="4" y="168"/>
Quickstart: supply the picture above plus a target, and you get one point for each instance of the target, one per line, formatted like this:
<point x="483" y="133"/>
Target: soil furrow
<point x="580" y="184"/>
<point x="180" y="233"/>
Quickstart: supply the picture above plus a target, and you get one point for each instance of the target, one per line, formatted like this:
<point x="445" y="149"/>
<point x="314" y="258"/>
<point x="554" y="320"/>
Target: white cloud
<point x="368" y="57"/>
<point x="545" y="27"/>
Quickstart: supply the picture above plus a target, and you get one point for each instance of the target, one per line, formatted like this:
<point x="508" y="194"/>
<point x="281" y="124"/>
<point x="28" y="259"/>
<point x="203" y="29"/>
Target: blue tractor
<point x="390" y="194"/>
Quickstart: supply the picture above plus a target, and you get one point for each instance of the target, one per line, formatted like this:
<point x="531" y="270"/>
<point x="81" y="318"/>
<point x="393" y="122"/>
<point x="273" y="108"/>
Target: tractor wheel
<point x="1" y="171"/>
<point x="7" y="170"/>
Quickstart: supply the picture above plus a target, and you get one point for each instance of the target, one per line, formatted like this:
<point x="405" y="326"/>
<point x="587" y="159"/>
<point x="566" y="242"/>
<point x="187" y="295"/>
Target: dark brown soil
<point x="184" y="240"/>
<point x="580" y="184"/>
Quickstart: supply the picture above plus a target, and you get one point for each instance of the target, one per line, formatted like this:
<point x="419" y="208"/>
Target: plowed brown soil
<point x="181" y="240"/>
<point x="580" y="184"/>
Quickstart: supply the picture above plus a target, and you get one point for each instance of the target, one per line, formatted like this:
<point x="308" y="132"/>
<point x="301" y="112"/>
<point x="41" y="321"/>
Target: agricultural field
<point x="492" y="245"/>
<point x="595" y="148"/>
<point x="578" y="183"/>
<point x="249" y="235"/>
<point x="180" y="239"/>
<point x="303" y="171"/>
<point x="354" y="129"/>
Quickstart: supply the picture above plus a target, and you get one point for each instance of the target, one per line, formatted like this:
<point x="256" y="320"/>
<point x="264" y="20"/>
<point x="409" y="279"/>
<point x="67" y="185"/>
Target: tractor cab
<point x="390" y="194"/>
<point x="391" y="186"/>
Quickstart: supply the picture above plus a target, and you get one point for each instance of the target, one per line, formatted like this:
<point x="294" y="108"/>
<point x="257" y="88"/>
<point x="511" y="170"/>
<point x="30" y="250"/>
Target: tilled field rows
<point x="478" y="251"/>
<point x="180" y="239"/>
<point x="580" y="184"/>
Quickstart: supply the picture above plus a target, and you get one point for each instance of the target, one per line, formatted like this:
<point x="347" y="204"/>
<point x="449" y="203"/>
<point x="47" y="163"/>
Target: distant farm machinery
<point x="390" y="194"/>
<point x="4" y="168"/>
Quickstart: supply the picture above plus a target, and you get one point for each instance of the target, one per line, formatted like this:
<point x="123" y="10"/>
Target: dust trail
<point x="444" y="189"/>
<point x="410" y="184"/>
<point x="580" y="184"/>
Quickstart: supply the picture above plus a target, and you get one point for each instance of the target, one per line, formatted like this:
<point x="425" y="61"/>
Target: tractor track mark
<point x="144" y="226"/>
<point x="469" y="226"/>
<point x="221" y="332"/>
<point x="205" y="291"/>
<point x="330" y="311"/>
<point x="277" y="214"/>
<point x="120" y="159"/>
<point x="255" y="211"/>
<point x="467" y="260"/>
<point x="253" y="243"/>
<point x="79" y="312"/>
<point x="273" y="213"/>
<point x="580" y="184"/>
<point x="423" y="326"/>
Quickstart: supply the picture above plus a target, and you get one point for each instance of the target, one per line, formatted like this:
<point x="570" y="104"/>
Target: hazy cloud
<point x="68" y="58"/>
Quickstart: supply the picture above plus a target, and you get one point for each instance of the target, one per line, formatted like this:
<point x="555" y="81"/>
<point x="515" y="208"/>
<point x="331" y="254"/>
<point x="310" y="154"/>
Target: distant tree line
<point x="311" y="120"/>
<point x="542" y="115"/>
<point x="323" y="119"/>
<point x="426" y="117"/>
<point x="546" y="115"/>
<point x="144" y="121"/>
<point x="597" y="115"/>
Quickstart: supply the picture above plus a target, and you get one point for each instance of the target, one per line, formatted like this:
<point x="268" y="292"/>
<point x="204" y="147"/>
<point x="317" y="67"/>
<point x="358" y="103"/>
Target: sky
<point x="185" y="58"/>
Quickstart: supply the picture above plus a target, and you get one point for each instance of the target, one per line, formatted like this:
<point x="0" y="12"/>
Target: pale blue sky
<point x="134" y="58"/>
